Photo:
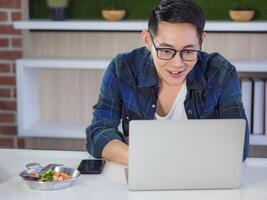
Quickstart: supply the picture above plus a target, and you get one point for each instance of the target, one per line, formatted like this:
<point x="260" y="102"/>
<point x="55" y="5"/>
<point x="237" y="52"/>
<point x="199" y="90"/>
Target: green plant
<point x="57" y="3"/>
<point x="241" y="8"/>
<point x="112" y="4"/>
<point x="240" y="5"/>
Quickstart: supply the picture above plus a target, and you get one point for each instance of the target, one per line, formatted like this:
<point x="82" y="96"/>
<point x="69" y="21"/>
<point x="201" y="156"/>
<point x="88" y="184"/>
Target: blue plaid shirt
<point x="130" y="88"/>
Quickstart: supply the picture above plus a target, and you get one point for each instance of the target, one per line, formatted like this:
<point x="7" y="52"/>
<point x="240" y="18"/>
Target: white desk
<point x="111" y="184"/>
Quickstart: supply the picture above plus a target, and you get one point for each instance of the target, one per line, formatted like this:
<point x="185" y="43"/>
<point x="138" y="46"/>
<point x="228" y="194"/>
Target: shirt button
<point x="189" y="112"/>
<point x="153" y="105"/>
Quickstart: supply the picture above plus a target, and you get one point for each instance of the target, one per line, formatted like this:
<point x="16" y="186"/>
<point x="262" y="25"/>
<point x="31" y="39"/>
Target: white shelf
<point x="255" y="66"/>
<point x="55" y="129"/>
<point x="260" y="140"/>
<point x="101" y="64"/>
<point x="133" y="25"/>
<point x="29" y="123"/>
<point x="81" y="25"/>
<point x="64" y="63"/>
<point x="28" y="108"/>
<point x="229" y="26"/>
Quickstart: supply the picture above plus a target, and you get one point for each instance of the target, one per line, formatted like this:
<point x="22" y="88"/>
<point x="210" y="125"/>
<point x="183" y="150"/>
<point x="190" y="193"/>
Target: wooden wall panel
<point x="81" y="44"/>
<point x="68" y="95"/>
<point x="108" y="44"/>
<point x="247" y="46"/>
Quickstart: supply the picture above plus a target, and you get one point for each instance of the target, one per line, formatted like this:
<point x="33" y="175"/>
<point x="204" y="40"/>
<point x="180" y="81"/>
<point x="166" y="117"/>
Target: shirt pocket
<point x="211" y="105"/>
<point x="210" y="112"/>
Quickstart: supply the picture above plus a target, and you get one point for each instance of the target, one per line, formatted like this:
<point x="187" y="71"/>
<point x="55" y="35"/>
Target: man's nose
<point x="177" y="60"/>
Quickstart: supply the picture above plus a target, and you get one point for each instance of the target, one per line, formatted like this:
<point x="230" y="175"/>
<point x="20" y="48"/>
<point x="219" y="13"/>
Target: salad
<point x="51" y="175"/>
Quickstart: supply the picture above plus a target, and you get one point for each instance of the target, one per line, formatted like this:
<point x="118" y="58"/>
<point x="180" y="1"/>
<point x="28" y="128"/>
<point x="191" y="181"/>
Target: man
<point x="170" y="78"/>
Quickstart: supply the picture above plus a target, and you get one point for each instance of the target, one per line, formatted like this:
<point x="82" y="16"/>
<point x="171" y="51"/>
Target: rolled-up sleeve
<point x="107" y="114"/>
<point x="231" y="105"/>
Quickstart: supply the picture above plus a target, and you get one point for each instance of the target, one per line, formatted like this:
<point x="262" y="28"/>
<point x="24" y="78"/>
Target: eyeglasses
<point x="169" y="53"/>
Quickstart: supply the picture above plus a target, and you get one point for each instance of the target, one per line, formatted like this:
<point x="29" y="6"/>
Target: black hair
<point x="177" y="11"/>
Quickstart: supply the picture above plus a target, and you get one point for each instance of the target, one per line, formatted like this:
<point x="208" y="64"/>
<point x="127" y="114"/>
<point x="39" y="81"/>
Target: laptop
<point x="189" y="154"/>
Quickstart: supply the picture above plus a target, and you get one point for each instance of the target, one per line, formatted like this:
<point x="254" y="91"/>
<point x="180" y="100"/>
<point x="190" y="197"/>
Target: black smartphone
<point x="91" y="166"/>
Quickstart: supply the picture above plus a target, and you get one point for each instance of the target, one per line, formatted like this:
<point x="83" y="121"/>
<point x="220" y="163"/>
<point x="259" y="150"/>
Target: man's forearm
<point x="116" y="151"/>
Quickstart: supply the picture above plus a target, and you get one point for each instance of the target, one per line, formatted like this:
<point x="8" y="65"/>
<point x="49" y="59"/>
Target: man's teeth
<point x="174" y="72"/>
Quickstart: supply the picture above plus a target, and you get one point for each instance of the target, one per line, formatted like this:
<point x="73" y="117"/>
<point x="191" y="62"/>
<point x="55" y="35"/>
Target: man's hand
<point x="116" y="151"/>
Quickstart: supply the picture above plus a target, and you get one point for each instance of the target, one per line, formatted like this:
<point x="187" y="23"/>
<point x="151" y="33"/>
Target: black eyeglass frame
<point x="174" y="51"/>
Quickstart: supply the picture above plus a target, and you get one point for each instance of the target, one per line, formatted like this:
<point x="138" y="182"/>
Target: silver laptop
<point x="190" y="154"/>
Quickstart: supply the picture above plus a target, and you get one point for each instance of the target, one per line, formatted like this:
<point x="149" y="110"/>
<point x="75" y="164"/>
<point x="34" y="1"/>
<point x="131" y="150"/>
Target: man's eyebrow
<point x="189" y="46"/>
<point x="169" y="45"/>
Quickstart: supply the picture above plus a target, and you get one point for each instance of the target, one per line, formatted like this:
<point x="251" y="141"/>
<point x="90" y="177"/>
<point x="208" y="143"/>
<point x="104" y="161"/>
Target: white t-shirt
<point x="177" y="111"/>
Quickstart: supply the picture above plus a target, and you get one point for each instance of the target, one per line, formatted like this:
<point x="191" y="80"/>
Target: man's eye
<point x="188" y="51"/>
<point x="166" y="51"/>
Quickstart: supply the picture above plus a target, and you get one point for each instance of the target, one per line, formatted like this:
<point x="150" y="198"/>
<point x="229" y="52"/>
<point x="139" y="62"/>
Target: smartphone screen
<point x="91" y="166"/>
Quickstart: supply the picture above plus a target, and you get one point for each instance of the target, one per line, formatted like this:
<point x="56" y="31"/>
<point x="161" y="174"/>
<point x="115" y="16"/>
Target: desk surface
<point x="111" y="184"/>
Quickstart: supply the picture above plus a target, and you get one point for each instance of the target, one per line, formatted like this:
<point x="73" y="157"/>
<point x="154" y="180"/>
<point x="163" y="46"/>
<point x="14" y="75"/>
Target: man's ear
<point x="201" y="40"/>
<point x="147" y="39"/>
<point x="203" y="36"/>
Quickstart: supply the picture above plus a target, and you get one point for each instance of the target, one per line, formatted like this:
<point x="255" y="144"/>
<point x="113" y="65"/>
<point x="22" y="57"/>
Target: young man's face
<point x="172" y="70"/>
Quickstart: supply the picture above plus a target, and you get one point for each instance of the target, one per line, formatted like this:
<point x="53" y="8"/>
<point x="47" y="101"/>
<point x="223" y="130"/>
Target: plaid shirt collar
<point x="148" y="76"/>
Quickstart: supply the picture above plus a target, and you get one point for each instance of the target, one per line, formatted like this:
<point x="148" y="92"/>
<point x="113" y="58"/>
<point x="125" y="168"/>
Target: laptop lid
<point x="189" y="154"/>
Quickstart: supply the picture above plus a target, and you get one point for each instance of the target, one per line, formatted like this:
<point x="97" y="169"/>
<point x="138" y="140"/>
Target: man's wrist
<point x="116" y="151"/>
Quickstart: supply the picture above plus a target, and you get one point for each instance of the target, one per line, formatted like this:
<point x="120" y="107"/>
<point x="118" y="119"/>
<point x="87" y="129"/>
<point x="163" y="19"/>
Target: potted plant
<point x="57" y="9"/>
<point x="241" y="14"/>
<point x="112" y="11"/>
<point x="113" y="14"/>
